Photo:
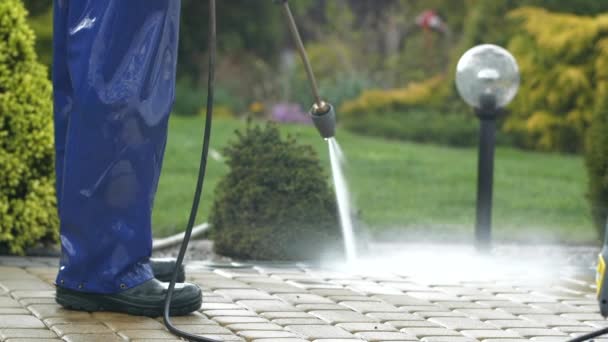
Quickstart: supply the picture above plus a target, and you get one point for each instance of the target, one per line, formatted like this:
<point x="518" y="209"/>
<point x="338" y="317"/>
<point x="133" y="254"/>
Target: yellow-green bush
<point x="27" y="196"/>
<point x="561" y="57"/>
<point x="402" y="99"/>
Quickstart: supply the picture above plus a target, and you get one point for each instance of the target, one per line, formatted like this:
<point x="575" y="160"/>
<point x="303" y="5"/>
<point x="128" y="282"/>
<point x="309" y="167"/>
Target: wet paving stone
<point x="43" y="311"/>
<point x="551" y="320"/>
<point x="26" y="333"/>
<point x="20" y="322"/>
<point x="426" y="332"/>
<point x="412" y="324"/>
<point x="537" y="332"/>
<point x="238" y="294"/>
<point x="260" y="306"/>
<point x="359" y="298"/>
<point x="334" y="317"/>
<point x="515" y="323"/>
<point x="314" y="307"/>
<point x="394" y="316"/>
<point x="145" y="334"/>
<point x="149" y="324"/>
<point x="93" y="338"/>
<point x="286" y="314"/>
<point x="362" y="327"/>
<point x="81" y="328"/>
<point x="226" y="320"/>
<point x="276" y="288"/>
<point x="319" y="331"/>
<point x="377" y="336"/>
<point x="456" y="339"/>
<point x="462" y="323"/>
<point x="283" y="340"/>
<point x="487" y="334"/>
<point x="336" y="340"/>
<point x="291" y="303"/>
<point x="297" y="321"/>
<point x="369" y="307"/>
<point x="304" y="298"/>
<point x="204" y="329"/>
<point x="265" y="334"/>
<point x="216" y="313"/>
<point x="484" y="314"/>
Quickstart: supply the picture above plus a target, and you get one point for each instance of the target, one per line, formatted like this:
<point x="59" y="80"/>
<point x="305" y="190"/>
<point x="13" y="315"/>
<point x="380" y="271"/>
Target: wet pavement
<point x="403" y="293"/>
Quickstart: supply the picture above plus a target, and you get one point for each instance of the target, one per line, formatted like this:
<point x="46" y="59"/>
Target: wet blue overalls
<point x="114" y="65"/>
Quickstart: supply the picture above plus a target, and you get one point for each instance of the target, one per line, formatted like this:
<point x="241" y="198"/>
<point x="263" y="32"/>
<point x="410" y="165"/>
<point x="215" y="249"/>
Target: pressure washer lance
<point x="322" y="113"/>
<point x="602" y="291"/>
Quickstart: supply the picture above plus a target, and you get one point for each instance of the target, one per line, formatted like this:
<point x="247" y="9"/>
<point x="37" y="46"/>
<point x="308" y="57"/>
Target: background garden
<point x="410" y="142"/>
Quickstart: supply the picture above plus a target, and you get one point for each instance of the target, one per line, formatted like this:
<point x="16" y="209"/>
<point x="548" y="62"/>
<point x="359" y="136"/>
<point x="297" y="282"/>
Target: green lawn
<point x="423" y="190"/>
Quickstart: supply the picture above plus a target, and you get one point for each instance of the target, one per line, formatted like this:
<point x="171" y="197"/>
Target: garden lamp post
<point x="487" y="78"/>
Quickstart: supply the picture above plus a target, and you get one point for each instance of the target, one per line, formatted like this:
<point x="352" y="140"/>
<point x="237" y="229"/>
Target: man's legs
<point x="114" y="79"/>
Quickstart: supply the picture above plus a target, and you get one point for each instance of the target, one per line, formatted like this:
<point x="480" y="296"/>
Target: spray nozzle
<point x="324" y="119"/>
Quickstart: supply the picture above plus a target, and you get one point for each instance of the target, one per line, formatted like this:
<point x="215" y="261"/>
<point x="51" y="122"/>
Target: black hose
<point x="199" y="182"/>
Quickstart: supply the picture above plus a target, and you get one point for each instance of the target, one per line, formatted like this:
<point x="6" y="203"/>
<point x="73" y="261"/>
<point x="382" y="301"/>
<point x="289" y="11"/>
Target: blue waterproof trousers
<point x="114" y="65"/>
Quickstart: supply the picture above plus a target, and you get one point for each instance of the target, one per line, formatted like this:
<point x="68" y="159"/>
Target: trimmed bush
<point x="596" y="159"/>
<point x="274" y="203"/>
<point x="27" y="194"/>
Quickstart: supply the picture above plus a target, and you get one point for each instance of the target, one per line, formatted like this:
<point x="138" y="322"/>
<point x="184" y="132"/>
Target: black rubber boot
<point x="163" y="270"/>
<point x="146" y="299"/>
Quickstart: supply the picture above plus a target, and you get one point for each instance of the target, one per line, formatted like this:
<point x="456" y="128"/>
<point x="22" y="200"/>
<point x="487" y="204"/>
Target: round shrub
<point x="27" y="194"/>
<point x="274" y="203"/>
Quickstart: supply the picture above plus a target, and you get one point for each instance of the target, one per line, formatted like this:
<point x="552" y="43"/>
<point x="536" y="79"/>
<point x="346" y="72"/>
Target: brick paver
<point x="296" y="303"/>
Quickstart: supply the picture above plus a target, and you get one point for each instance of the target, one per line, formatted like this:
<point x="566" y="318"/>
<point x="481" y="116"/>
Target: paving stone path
<point x="293" y="303"/>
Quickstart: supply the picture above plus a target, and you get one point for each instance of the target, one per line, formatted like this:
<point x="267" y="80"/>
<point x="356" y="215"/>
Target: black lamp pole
<point x="487" y="113"/>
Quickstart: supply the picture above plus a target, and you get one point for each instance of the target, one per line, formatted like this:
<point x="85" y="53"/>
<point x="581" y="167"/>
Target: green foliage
<point x="256" y="27"/>
<point x="413" y="113"/>
<point x="27" y="196"/>
<point x="344" y="87"/>
<point x="337" y="78"/>
<point x="192" y="100"/>
<point x="41" y="21"/>
<point x="274" y="203"/>
<point x="37" y="7"/>
<point x="414" y="95"/>
<point x="410" y="113"/>
<point x="560" y="61"/>
<point x="580" y="7"/>
<point x="423" y="126"/>
<point x="596" y="159"/>
<point x="189" y="99"/>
